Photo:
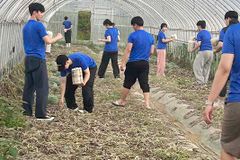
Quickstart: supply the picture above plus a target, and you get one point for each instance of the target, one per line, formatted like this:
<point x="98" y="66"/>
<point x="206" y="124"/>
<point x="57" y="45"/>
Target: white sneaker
<point x="76" y="109"/>
<point x="82" y="111"/>
<point x="47" y="118"/>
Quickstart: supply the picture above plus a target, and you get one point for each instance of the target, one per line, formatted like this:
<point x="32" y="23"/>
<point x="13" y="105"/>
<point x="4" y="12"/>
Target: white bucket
<point x="191" y="45"/>
<point x="48" y="47"/>
<point x="77" y="76"/>
<point x="214" y="41"/>
<point x="174" y="36"/>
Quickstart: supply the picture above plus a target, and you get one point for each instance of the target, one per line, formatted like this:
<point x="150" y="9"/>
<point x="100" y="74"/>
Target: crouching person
<point x="89" y="68"/>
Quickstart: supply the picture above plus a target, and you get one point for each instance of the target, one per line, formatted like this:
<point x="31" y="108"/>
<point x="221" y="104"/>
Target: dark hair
<point x="61" y="62"/>
<point x="164" y="25"/>
<point x="108" y="22"/>
<point x="36" y="7"/>
<point x="233" y="15"/>
<point x="202" y="24"/>
<point x="137" y="21"/>
<point x="65" y="18"/>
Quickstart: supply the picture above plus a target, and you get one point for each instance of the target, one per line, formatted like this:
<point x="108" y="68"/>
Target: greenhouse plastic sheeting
<point x="180" y="15"/>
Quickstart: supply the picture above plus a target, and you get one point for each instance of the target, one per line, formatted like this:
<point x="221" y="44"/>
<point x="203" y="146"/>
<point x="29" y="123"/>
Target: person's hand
<point x="207" y="114"/>
<point x="190" y="51"/>
<point x="100" y="40"/>
<point x="122" y="67"/>
<point x="65" y="30"/>
<point x="83" y="84"/>
<point x="61" y="103"/>
<point x="59" y="36"/>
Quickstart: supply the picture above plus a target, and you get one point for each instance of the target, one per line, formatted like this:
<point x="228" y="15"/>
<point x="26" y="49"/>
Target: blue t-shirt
<point x="231" y="45"/>
<point x="79" y="60"/>
<point x="33" y="33"/>
<point x="161" y="44"/>
<point x="113" y="45"/>
<point x="67" y="24"/>
<point x="142" y="42"/>
<point x="205" y="37"/>
<point x="221" y="35"/>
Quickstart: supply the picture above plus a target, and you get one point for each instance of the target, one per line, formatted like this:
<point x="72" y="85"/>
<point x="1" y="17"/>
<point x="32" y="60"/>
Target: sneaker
<point x="47" y="118"/>
<point x="76" y="109"/>
<point x="26" y="114"/>
<point x="82" y="111"/>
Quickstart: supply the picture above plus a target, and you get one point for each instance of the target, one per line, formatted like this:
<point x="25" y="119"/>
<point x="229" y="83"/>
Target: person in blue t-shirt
<point x="161" y="49"/>
<point x="36" y="77"/>
<point x="89" y="68"/>
<point x="229" y="65"/>
<point x="203" y="61"/>
<point x="232" y="17"/>
<point x="110" y="50"/>
<point x="67" y="31"/>
<point x="139" y="48"/>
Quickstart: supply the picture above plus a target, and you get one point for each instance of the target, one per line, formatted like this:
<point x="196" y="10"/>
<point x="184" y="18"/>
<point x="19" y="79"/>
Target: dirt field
<point x="132" y="132"/>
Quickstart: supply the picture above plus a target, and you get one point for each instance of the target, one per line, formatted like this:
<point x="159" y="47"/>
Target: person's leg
<point x="65" y="36"/>
<point x="70" y="38"/>
<point x="129" y="81"/>
<point x="225" y="156"/>
<point x="70" y="93"/>
<point x="103" y="65"/>
<point x="87" y="92"/>
<point x="163" y="61"/>
<point x="158" y="62"/>
<point x="143" y="81"/>
<point x="40" y="77"/>
<point x="208" y="58"/>
<point x="114" y="59"/>
<point x="28" y="91"/>
<point x="198" y="68"/>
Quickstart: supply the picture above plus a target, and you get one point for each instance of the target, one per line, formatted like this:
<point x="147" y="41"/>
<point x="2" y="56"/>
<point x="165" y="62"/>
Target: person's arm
<point x="69" y="28"/>
<point x="126" y="56"/>
<point x="167" y="40"/>
<point x="43" y="33"/>
<point x="219" y="81"/>
<point x="108" y="39"/>
<point x="119" y="39"/>
<point x="152" y="49"/>
<point x="196" y="46"/>
<point x="49" y="40"/>
<point x="86" y="76"/>
<point x="63" y="81"/>
<point x="219" y="47"/>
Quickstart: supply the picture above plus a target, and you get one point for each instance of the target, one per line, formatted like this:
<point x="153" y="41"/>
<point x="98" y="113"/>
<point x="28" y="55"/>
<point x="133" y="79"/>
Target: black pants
<point x="36" y="79"/>
<point x="87" y="92"/>
<point x="104" y="63"/>
<point x="137" y="70"/>
<point x="68" y="36"/>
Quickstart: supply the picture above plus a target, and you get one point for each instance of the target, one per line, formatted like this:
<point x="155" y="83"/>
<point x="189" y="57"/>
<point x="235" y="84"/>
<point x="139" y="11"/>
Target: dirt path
<point x="110" y="132"/>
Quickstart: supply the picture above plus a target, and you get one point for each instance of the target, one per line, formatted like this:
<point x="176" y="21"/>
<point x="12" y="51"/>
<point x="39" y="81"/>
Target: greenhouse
<point x="165" y="115"/>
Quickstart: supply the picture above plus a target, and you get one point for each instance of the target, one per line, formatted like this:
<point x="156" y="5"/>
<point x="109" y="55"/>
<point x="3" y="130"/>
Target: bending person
<point x="68" y="89"/>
